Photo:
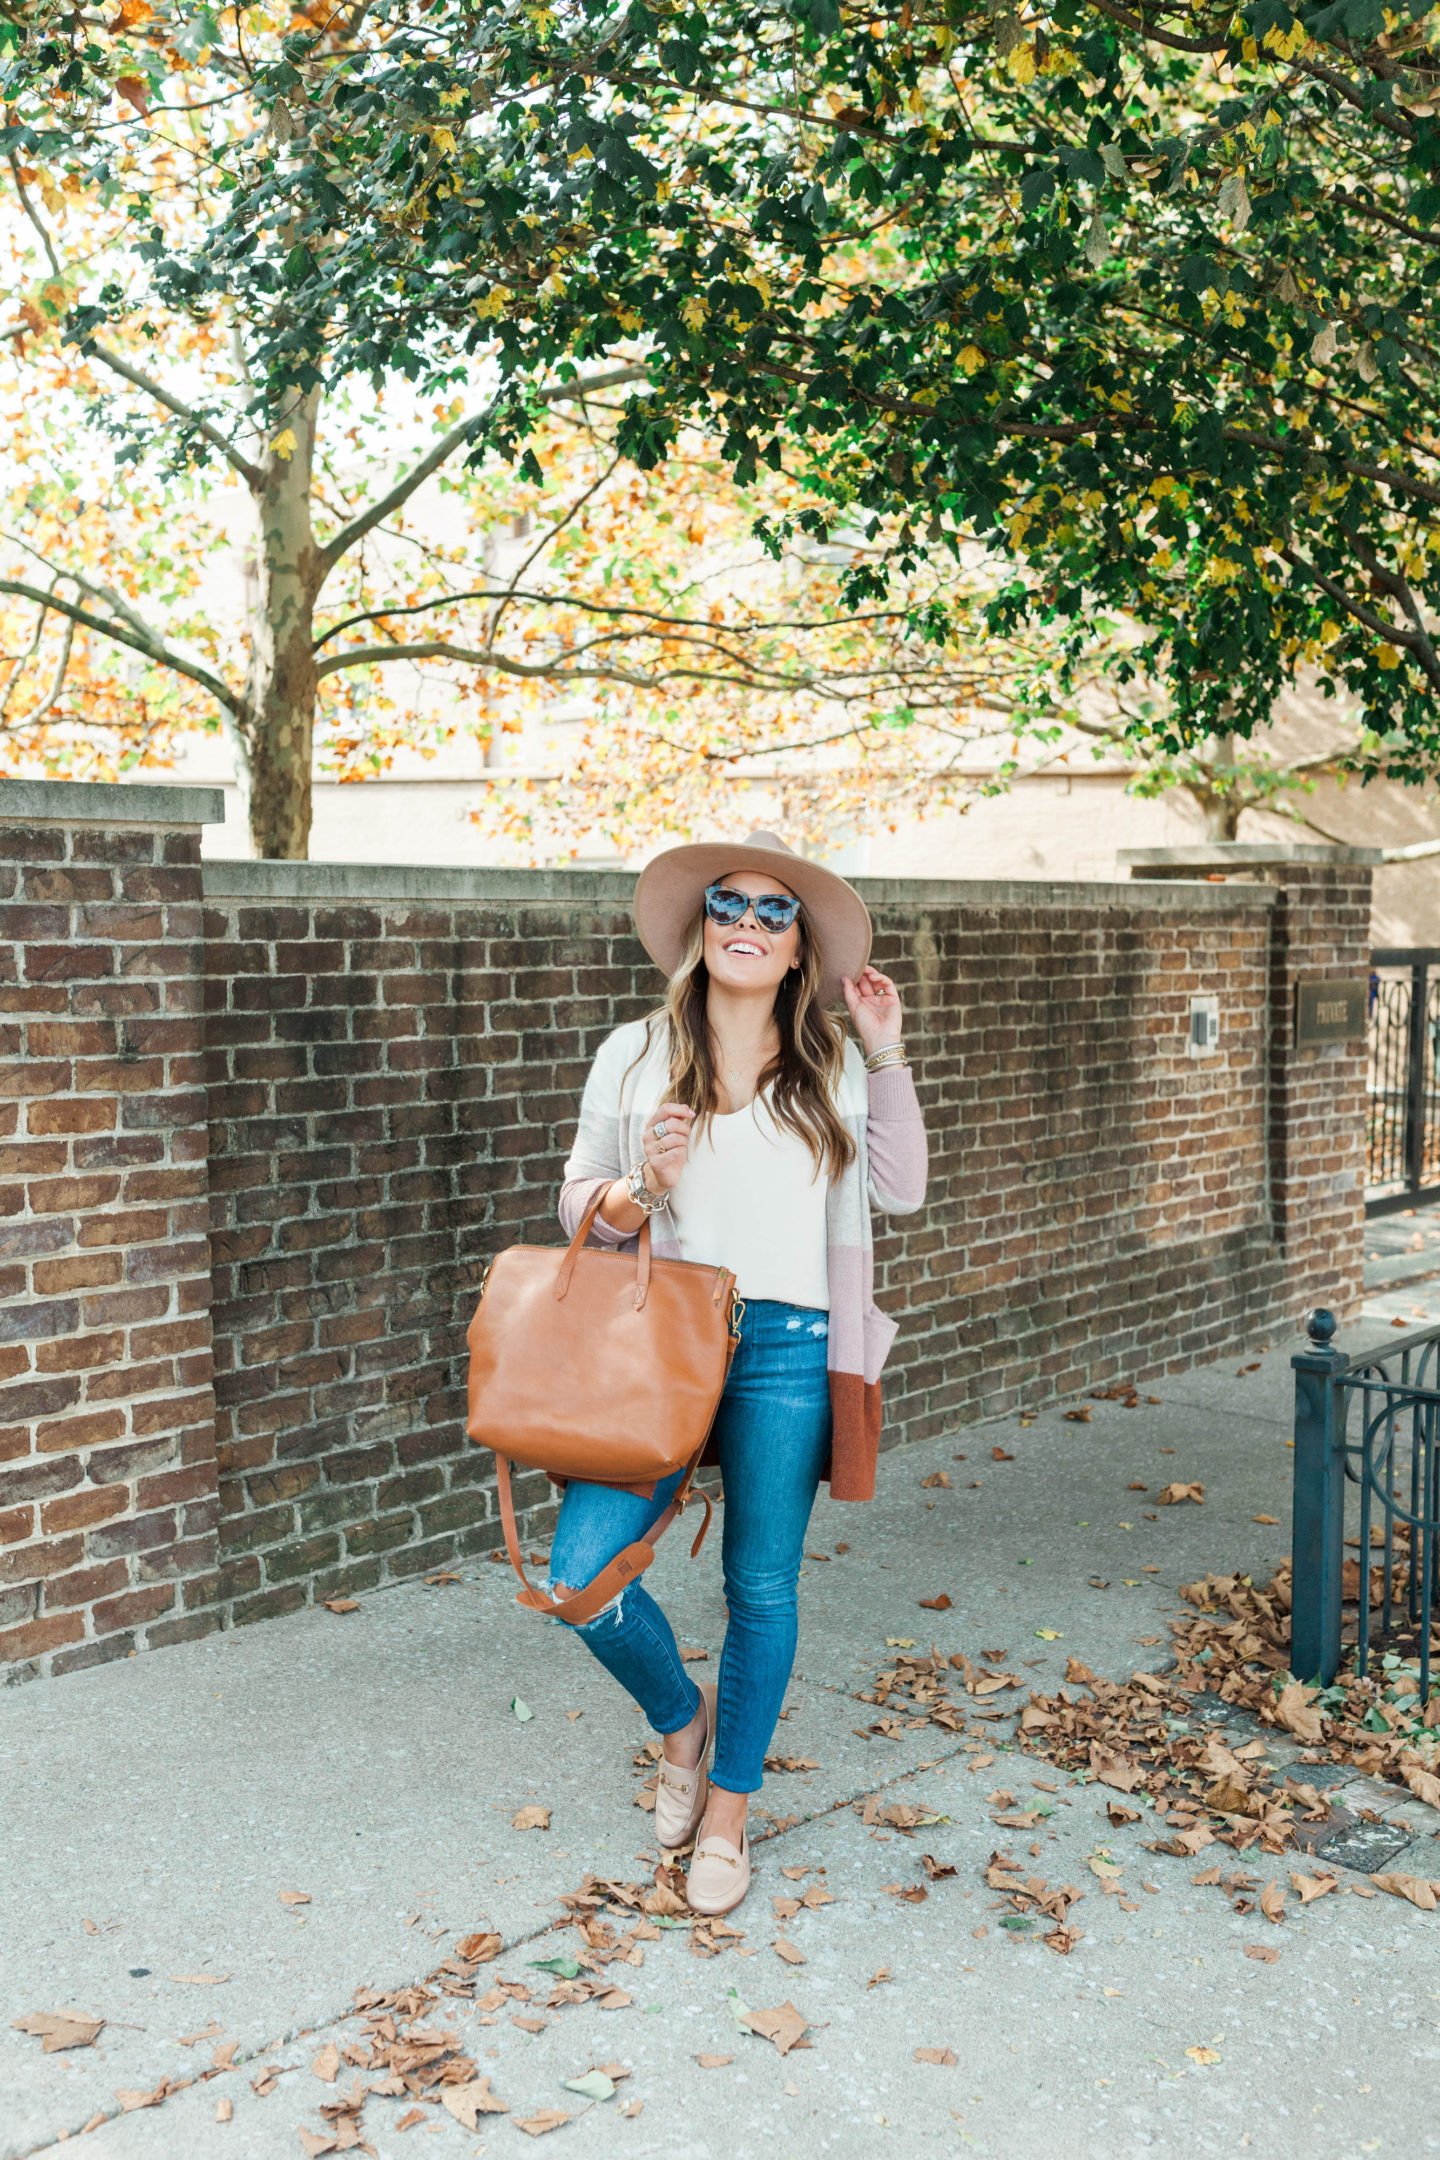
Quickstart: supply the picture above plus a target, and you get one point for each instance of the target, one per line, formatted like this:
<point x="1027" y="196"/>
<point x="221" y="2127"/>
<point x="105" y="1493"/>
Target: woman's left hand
<point x="874" y="1004"/>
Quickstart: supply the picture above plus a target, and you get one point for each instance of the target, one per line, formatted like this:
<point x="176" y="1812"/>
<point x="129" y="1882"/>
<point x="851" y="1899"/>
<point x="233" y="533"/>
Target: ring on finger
<point x="661" y="1129"/>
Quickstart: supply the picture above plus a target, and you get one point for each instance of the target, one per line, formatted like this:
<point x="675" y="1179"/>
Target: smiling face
<point x="742" y="956"/>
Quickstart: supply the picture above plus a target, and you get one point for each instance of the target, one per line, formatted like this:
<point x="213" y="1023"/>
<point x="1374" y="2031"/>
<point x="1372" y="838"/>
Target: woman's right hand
<point x="667" y="1154"/>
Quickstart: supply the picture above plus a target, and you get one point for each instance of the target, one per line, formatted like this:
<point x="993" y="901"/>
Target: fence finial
<point x="1320" y="1326"/>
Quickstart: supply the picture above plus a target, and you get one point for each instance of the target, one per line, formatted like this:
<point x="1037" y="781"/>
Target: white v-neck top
<point x="751" y="1199"/>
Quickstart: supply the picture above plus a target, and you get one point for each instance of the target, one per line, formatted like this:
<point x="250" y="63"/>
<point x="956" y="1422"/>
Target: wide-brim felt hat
<point x="672" y="886"/>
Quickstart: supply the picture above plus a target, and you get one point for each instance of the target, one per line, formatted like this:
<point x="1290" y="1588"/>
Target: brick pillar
<point x="1320" y="932"/>
<point x="107" y="1443"/>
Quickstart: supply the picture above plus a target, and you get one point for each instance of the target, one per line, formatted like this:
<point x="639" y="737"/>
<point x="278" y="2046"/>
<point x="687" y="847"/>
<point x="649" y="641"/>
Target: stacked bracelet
<point x="648" y="1202"/>
<point x="887" y="1054"/>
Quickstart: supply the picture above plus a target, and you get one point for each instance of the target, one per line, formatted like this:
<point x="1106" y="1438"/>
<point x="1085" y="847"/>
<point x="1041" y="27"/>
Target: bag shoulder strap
<point x="583" y="1605"/>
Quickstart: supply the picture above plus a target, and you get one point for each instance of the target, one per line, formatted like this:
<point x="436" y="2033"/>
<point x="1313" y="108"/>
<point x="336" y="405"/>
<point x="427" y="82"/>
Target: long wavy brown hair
<point x="804" y="1074"/>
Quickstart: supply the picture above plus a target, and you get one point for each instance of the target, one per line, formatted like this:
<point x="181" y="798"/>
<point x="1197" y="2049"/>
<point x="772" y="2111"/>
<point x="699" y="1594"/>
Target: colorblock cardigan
<point x="628" y="1081"/>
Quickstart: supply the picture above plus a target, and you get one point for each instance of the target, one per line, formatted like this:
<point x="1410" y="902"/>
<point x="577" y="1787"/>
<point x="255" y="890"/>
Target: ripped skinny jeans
<point x="773" y="1434"/>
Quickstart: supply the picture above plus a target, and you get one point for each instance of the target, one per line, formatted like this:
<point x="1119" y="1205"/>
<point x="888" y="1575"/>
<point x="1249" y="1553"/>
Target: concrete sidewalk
<point x="157" y="1812"/>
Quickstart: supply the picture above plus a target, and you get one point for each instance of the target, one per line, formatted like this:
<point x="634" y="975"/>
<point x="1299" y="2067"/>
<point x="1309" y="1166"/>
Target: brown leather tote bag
<point x="603" y="1365"/>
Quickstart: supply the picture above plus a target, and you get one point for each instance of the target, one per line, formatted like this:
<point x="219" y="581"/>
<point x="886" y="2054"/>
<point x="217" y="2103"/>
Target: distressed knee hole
<point x="610" y="1613"/>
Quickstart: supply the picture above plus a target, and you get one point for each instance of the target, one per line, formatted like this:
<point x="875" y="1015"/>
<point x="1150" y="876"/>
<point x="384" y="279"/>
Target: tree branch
<point x="404" y="488"/>
<point x="250" y="473"/>
<point x="149" y="648"/>
<point x="1157" y="37"/>
<point x="1414" y="641"/>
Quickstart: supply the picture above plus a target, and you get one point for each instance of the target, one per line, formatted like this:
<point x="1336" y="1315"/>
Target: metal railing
<point x="1390" y="1474"/>
<point x="1402" y="1129"/>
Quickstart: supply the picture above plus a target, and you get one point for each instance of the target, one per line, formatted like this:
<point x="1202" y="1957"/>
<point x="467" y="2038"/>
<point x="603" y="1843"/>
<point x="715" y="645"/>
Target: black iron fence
<point x="1402" y="1134"/>
<point x="1380" y="1481"/>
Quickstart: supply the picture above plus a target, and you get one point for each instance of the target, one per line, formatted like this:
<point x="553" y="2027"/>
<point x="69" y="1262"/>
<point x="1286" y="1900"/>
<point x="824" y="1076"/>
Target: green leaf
<point x="594" y="2085"/>
<point x="564" y="1967"/>
<point x="522" y="1711"/>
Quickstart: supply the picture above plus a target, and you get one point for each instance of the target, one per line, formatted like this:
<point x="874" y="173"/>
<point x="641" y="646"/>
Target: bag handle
<point x="583" y="1605"/>
<point x="583" y="1229"/>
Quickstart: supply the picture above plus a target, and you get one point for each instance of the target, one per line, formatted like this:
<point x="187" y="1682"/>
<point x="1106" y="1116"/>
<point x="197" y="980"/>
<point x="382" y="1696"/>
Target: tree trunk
<point x="280" y="687"/>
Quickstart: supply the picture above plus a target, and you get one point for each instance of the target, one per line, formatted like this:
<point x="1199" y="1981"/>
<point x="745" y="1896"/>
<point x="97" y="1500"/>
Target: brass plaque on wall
<point x="1330" y="1012"/>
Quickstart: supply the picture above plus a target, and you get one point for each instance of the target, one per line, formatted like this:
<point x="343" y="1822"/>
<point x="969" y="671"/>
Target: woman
<point x="754" y="1133"/>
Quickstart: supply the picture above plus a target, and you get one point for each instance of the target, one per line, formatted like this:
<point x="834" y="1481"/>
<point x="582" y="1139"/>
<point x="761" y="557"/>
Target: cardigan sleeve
<point x="895" y="1141"/>
<point x="595" y="1159"/>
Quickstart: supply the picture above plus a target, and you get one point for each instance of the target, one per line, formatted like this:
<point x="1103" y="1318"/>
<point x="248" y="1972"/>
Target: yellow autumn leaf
<point x="284" y="443"/>
<point x="694" y="311"/>
<point x="971" y="360"/>
<point x="1388" y="657"/>
<point x="1021" y="64"/>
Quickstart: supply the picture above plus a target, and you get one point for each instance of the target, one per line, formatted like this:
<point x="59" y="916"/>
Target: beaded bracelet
<point x="887" y="1055"/>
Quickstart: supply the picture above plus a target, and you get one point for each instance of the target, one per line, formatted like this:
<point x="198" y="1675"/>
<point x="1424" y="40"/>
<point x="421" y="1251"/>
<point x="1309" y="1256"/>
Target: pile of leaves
<point x="1028" y="1894"/>
<point x="600" y="1900"/>
<point x="1138" y="1736"/>
<point x="1239" y="1648"/>
<point x="915" y="1691"/>
<point x="1135" y="1736"/>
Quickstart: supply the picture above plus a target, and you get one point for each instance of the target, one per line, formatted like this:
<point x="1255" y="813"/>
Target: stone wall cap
<point x="1240" y="855"/>
<point x="240" y="878"/>
<point x="109" y="802"/>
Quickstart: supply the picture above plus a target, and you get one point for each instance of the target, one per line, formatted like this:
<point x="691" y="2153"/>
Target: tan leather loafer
<point x="719" y="1875"/>
<point x="681" y="1795"/>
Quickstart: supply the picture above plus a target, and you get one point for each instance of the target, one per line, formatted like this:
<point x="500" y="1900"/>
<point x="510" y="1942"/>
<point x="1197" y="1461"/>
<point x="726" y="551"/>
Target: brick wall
<point x="107" y="1446"/>
<point x="393" y="1059"/>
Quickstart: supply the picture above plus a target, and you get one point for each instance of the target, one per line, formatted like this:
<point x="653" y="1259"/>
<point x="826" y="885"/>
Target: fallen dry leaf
<point x="938" y="1480"/>
<point x="784" y="2026"/>
<point x="616" y="1999"/>
<point x="467" y="2103"/>
<point x="1297" y="1713"/>
<point x="788" y="1951"/>
<point x="534" y="1818"/>
<point x="315" y="2143"/>
<point x="57" y="2029"/>
<point x="878" y="1979"/>
<point x="224" y="2110"/>
<point x="294" y="1897"/>
<point x="1113" y="1769"/>
<point x="1202" y="2055"/>
<point x="207" y="2032"/>
<point x="1311" y="1887"/>
<point x="714" y="2062"/>
<point x="1172" y="1495"/>
<point x="1118" y="1813"/>
<point x="131" y="2101"/>
<point x="478" y="1949"/>
<point x="1416" y="1888"/>
<point x="933" y="1868"/>
<point x="942" y="1603"/>
<point x="1272" y="1902"/>
<point x="687" y="1657"/>
<point x="817" y="1895"/>
<point x="1423" y="1783"/>
<point x="1060" y="1939"/>
<point x="1265" y="1518"/>
<point x="326" y="2065"/>
<point x="1262" y="1953"/>
<point x="200" y="1979"/>
<point x="340" y="1605"/>
<point x="998" y="1454"/>
<point x="537" y="2125"/>
<point x="945" y="2057"/>
<point x="411" y="2117"/>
